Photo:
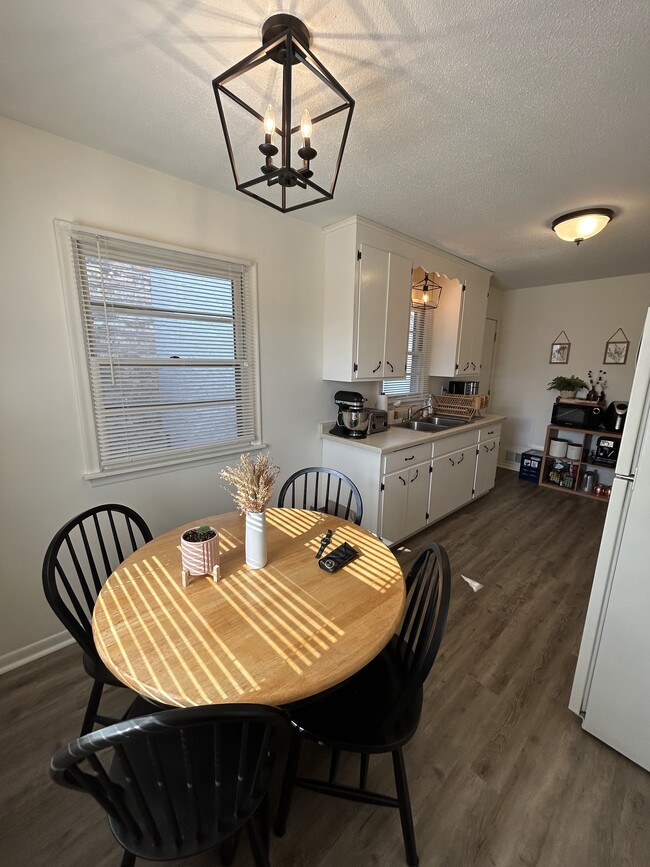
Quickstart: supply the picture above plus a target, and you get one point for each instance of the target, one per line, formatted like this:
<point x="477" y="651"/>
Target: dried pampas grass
<point x="251" y="482"/>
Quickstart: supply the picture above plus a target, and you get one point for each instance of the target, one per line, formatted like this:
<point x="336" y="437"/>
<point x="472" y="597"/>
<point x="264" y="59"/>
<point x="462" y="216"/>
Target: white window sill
<point x="107" y="477"/>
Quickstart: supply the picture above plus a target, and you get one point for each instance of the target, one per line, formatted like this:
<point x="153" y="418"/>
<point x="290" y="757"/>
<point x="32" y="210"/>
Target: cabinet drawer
<point x="489" y="432"/>
<point x="452" y="444"/>
<point x="407" y="457"/>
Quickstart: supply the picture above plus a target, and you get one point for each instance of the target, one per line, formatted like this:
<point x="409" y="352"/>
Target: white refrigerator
<point x="611" y="687"/>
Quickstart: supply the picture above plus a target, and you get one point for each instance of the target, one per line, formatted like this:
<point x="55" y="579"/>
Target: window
<point x="416" y="381"/>
<point x="165" y="343"/>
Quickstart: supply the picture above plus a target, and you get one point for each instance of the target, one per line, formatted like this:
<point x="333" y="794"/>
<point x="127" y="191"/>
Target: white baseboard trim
<point x="506" y="465"/>
<point x="16" y="658"/>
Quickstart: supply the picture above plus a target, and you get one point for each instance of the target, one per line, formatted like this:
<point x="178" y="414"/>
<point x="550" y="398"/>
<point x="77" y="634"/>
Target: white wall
<point x="530" y="320"/>
<point x="45" y="177"/>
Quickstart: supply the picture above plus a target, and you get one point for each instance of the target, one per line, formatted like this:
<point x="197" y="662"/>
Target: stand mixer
<point x="352" y="419"/>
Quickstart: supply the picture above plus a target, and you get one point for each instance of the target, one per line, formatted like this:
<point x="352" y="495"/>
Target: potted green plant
<point x="199" y="553"/>
<point x="568" y="386"/>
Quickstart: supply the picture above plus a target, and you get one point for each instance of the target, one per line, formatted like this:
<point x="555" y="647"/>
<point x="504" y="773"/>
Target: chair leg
<point x="258" y="834"/>
<point x="290" y="774"/>
<point x="229" y="848"/>
<point x="334" y="765"/>
<point x="92" y="708"/>
<point x="406" y="817"/>
<point x="363" y="770"/>
<point x="128" y="859"/>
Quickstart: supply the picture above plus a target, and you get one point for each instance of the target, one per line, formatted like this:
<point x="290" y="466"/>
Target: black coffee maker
<point x="614" y="419"/>
<point x="352" y="419"/>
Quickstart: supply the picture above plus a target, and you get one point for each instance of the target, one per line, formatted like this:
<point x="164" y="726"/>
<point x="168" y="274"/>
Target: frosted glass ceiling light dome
<point x="579" y="225"/>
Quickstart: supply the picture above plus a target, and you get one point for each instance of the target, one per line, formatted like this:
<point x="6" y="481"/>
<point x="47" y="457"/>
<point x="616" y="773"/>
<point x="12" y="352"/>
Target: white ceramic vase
<point x="256" y="539"/>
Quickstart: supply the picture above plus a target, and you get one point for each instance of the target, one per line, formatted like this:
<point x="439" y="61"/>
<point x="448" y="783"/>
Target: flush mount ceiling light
<point x="579" y="225"/>
<point x="425" y="292"/>
<point x="280" y="101"/>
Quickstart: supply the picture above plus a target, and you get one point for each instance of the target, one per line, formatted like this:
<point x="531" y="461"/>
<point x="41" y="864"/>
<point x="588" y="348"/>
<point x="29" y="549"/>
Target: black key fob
<point x="339" y="557"/>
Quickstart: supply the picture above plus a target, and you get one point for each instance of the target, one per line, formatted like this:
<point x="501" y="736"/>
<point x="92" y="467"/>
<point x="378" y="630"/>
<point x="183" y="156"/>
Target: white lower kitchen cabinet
<point x="404" y="502"/>
<point x="486" y="466"/>
<point x="452" y="482"/>
<point x="405" y="489"/>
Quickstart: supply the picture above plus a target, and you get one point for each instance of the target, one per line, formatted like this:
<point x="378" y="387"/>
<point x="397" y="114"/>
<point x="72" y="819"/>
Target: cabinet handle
<point x="452" y="462"/>
<point x="473" y="366"/>
<point x="466" y="367"/>
<point x="490" y="433"/>
<point x="403" y="481"/>
<point x="392" y="369"/>
<point x="417" y="473"/>
<point x="410" y="459"/>
<point x="377" y="368"/>
<point x="460" y="460"/>
<point x="486" y="448"/>
<point x="494" y="445"/>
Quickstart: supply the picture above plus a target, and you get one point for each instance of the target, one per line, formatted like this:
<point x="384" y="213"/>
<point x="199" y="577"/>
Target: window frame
<point x="64" y="231"/>
<point x="425" y="355"/>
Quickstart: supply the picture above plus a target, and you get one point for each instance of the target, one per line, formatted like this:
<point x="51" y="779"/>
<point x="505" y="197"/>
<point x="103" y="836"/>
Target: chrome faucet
<point x="426" y="409"/>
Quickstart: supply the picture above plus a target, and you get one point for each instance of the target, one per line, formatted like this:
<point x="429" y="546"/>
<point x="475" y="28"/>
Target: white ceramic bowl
<point x="557" y="448"/>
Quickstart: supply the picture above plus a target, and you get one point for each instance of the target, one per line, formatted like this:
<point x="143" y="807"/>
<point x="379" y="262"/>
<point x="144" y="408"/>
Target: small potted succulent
<point x="199" y="553"/>
<point x="568" y="386"/>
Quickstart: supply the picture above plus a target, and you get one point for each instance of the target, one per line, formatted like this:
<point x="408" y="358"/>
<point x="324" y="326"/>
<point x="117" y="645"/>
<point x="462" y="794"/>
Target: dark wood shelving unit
<point x="587" y="442"/>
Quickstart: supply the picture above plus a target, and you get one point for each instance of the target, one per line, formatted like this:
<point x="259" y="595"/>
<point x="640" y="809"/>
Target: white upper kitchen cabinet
<point x="367" y="305"/>
<point x="458" y="325"/>
<point x="367" y="301"/>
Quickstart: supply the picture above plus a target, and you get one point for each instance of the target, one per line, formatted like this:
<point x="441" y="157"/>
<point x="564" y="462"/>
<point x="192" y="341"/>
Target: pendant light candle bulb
<point x="306" y="128"/>
<point x="269" y="123"/>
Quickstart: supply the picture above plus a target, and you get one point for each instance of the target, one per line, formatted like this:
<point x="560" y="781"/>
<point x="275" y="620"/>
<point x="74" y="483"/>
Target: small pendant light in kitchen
<point x="280" y="101"/>
<point x="425" y="292"/>
<point x="579" y="225"/>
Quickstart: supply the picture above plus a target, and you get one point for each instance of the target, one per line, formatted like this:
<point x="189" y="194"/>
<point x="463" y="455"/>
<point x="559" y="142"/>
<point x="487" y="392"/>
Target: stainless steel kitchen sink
<point x="435" y="423"/>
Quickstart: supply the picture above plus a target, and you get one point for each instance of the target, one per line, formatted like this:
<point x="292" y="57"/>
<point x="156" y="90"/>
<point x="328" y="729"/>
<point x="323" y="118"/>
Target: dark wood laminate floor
<point x="500" y="771"/>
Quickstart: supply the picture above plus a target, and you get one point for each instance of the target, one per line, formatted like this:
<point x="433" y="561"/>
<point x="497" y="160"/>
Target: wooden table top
<point x="272" y="636"/>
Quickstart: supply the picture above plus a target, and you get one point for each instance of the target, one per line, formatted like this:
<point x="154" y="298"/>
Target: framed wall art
<point x="616" y="348"/>
<point x="560" y="349"/>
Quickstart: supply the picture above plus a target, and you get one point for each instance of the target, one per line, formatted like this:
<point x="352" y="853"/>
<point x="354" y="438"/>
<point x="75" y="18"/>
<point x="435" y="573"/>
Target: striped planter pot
<point x="200" y="558"/>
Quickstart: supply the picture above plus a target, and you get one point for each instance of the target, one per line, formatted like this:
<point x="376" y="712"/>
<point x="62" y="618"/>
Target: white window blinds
<point x="416" y="381"/>
<point x="170" y="349"/>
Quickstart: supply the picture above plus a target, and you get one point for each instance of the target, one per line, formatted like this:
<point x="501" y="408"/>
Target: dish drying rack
<point x="461" y="405"/>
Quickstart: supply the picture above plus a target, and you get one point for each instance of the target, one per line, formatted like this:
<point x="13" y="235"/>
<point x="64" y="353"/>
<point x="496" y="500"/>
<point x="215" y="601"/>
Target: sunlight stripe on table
<point x="320" y="627"/>
<point x="162" y="623"/>
<point x="143" y="657"/>
<point x="272" y="607"/>
<point x="170" y="584"/>
<point x="300" y="600"/>
<point x="251" y="622"/>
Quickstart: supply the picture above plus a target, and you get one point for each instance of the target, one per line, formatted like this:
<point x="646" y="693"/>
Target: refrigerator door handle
<point x="626" y="478"/>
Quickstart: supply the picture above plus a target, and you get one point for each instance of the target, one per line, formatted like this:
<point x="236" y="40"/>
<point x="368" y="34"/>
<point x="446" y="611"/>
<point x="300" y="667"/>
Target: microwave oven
<point x="586" y="415"/>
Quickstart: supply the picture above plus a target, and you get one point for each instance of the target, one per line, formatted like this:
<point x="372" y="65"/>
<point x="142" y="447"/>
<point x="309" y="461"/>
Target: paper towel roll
<point x="382" y="401"/>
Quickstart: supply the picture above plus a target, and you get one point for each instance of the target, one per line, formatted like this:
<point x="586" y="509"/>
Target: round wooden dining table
<point x="274" y="635"/>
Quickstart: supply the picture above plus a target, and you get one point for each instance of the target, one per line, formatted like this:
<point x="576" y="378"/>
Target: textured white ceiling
<point x="476" y="122"/>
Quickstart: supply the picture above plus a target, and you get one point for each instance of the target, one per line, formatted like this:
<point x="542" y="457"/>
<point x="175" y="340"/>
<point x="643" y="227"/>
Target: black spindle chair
<point x="378" y="710"/>
<point x="179" y="782"/>
<point x="78" y="561"/>
<point x="321" y="489"/>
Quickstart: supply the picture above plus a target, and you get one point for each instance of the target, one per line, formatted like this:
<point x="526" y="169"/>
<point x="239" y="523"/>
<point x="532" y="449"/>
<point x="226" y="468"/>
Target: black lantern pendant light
<point x="425" y="293"/>
<point x="284" y="80"/>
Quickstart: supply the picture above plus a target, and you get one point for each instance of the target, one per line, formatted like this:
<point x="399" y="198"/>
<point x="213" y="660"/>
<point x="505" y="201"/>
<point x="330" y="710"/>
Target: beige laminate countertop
<point x="397" y="437"/>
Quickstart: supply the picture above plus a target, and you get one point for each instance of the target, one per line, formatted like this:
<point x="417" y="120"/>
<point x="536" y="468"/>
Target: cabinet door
<point x="486" y="466"/>
<point x="371" y="313"/>
<point x="452" y="480"/>
<point x="472" y="328"/>
<point x="398" y="312"/>
<point x="418" y="499"/>
<point x="393" y="506"/>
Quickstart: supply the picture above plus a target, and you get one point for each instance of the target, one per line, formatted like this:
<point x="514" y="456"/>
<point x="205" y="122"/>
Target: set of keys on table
<point x="339" y="557"/>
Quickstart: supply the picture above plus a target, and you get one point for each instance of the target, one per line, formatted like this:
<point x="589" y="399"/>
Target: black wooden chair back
<point x="178" y="782"/>
<point x="80" y="558"/>
<point x="420" y="634"/>
<point x="321" y="489"/>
